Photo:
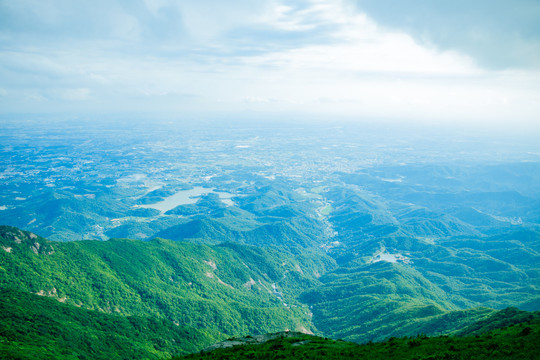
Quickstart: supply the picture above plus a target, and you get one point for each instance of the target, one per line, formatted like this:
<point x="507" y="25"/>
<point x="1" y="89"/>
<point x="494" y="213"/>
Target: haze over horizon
<point x="461" y="62"/>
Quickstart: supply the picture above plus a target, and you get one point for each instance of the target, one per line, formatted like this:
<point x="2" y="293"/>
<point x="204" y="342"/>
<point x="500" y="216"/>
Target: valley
<point x="355" y="233"/>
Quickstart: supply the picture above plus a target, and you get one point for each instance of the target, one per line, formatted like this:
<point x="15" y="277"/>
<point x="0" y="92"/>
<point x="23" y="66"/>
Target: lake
<point x="185" y="197"/>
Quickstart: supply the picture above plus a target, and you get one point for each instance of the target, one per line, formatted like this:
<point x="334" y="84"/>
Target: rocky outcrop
<point x="252" y="340"/>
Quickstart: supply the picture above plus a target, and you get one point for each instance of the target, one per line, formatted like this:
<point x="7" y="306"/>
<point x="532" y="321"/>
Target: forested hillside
<point x="517" y="341"/>
<point x="223" y="290"/>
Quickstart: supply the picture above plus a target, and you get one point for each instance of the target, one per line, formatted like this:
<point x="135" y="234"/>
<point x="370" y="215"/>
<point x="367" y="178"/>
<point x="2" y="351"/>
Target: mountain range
<point x="151" y="253"/>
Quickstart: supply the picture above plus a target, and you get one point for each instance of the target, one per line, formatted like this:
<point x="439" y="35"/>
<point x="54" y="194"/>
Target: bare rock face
<point x="13" y="239"/>
<point x="252" y="340"/>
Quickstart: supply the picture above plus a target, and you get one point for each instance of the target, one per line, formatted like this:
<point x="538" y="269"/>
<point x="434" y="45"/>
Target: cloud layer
<point x="339" y="58"/>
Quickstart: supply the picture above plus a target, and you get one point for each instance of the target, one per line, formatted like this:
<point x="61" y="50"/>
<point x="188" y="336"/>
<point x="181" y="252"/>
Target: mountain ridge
<point x="232" y="288"/>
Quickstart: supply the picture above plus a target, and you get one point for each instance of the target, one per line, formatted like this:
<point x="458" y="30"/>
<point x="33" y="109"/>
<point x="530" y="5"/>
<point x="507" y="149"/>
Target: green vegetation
<point x="356" y="257"/>
<point x="35" y="327"/>
<point x="381" y="300"/>
<point x="185" y="296"/>
<point x="520" y="341"/>
<point x="343" y="231"/>
<point x="227" y="290"/>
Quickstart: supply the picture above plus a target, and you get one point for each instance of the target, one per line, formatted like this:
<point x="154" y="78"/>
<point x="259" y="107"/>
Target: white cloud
<point x="334" y="60"/>
<point x="76" y="94"/>
<point x="208" y="20"/>
<point x="317" y="13"/>
<point x="155" y="6"/>
<point x="358" y="44"/>
<point x="285" y="17"/>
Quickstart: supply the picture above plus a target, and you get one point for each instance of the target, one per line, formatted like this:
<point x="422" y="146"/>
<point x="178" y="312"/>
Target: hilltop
<point x="517" y="341"/>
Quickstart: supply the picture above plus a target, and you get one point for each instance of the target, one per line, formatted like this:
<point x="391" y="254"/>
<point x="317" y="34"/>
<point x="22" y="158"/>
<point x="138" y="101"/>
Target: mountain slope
<point x="36" y="327"/>
<point x="228" y="289"/>
<point x="232" y="289"/>
<point x="518" y="341"/>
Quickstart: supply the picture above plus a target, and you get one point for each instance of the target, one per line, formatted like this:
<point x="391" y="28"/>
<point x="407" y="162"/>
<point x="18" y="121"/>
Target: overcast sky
<point x="461" y="60"/>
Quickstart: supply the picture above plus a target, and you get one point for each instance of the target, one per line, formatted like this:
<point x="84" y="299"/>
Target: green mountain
<point x="402" y="286"/>
<point x="251" y="228"/>
<point x="214" y="291"/>
<point x="37" y="327"/>
<point x="517" y="340"/>
<point x="357" y="262"/>
<point x="226" y="290"/>
<point x="284" y="229"/>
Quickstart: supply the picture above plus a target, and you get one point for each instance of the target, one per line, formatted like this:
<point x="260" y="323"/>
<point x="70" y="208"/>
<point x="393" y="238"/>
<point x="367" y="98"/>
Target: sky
<point x="457" y="61"/>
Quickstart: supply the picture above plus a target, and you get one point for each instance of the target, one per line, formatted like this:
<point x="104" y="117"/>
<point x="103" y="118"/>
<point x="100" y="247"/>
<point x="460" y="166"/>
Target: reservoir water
<point x="185" y="197"/>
